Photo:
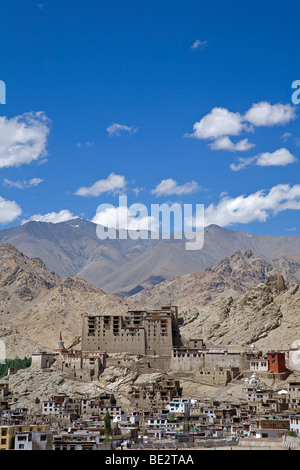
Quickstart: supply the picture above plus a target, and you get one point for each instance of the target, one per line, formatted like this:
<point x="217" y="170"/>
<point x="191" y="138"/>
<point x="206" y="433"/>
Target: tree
<point x="185" y="428"/>
<point x="16" y="363"/>
<point x="107" y="424"/>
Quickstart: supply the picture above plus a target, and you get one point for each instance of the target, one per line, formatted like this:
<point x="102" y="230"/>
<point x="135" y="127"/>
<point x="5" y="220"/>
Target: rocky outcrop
<point x="37" y="304"/>
<point x="266" y="315"/>
<point x="23" y="281"/>
<point x="233" y="276"/>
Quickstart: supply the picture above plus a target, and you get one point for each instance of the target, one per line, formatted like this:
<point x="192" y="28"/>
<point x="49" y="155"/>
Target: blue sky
<point x="164" y="101"/>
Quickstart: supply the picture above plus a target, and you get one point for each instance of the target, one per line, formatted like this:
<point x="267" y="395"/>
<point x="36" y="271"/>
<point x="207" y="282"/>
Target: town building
<point x="254" y="390"/>
<point x="138" y="332"/>
<point x="180" y="405"/>
<point x="155" y="395"/>
<point x="7" y="435"/>
<point x="276" y="361"/>
<point x="25" y="435"/>
<point x="33" y="440"/>
<point x="271" y="427"/>
<point x="259" y="364"/>
<point x="294" y="394"/>
<point x="76" y="364"/>
<point x="295" y="424"/>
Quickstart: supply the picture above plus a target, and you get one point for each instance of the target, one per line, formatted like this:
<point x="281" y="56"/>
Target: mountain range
<point x="126" y="267"/>
<point x="241" y="300"/>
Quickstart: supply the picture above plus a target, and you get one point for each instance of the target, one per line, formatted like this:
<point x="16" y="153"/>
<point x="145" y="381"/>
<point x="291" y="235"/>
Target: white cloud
<point x="242" y="163"/>
<point x="254" y="207"/>
<point x="199" y="44"/>
<point x="23" y="139"/>
<point x="265" y="114"/>
<point x="115" y="130"/>
<point x="9" y="211"/>
<point x="224" y="143"/>
<point x="243" y="209"/>
<point x="286" y="136"/>
<point x="54" y="217"/>
<point x="23" y="184"/>
<point x="218" y="123"/>
<point x="112" y="183"/>
<point x="280" y="157"/>
<point x="126" y="218"/>
<point x="221" y="123"/>
<point x="169" y="187"/>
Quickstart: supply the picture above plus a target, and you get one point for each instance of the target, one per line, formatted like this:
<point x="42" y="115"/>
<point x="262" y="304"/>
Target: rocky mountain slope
<point x="266" y="315"/>
<point x="37" y="304"/>
<point x="232" y="277"/>
<point x="72" y="248"/>
<point x="241" y="300"/>
<point x="23" y="281"/>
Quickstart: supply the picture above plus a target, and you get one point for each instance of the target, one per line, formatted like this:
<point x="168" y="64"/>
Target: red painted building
<point x="276" y="362"/>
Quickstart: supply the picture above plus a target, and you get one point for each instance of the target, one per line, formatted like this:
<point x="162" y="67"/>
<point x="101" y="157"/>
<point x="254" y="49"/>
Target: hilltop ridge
<point x="72" y="248"/>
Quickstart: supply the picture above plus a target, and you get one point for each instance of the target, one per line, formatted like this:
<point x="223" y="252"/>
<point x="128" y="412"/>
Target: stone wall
<point x="217" y="376"/>
<point x="42" y="360"/>
<point x="186" y="360"/>
<point x="226" y="359"/>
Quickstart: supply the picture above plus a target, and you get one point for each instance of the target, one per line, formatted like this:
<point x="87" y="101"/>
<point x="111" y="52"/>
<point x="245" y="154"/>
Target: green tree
<point x="107" y="423"/>
<point x="185" y="428"/>
<point x="171" y="417"/>
<point x="16" y="363"/>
